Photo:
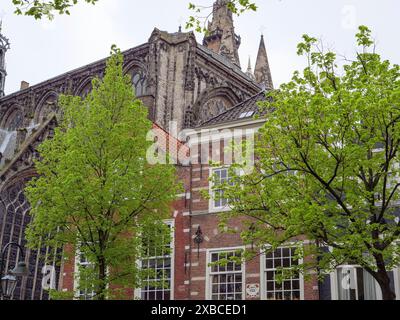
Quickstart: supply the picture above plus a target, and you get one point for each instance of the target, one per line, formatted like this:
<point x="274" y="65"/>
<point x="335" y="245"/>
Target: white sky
<point x="42" y="49"/>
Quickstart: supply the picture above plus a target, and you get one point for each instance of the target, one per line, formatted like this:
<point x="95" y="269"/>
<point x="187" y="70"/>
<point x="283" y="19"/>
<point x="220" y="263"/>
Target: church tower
<point x="221" y="37"/>
<point x="262" y="71"/>
<point x="4" y="46"/>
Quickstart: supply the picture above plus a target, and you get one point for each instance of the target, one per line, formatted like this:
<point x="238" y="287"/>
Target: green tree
<point x="41" y="8"/>
<point x="95" y="191"/>
<point x="328" y="163"/>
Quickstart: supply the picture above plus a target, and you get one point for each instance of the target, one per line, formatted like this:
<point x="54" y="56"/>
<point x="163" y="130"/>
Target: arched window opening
<point x="86" y="90"/>
<point x="14" y="121"/>
<point x="47" y="106"/>
<point x="214" y="107"/>
<point x="139" y="82"/>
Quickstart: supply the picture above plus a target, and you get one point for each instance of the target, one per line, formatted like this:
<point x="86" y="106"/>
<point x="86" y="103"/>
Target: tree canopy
<point x="48" y="8"/>
<point x="328" y="165"/>
<point x="39" y="9"/>
<point x="95" y="192"/>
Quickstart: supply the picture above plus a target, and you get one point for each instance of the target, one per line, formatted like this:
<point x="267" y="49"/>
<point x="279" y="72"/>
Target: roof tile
<point x="244" y="110"/>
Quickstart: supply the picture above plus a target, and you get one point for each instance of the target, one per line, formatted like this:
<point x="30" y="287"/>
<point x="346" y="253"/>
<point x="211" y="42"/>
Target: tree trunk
<point x="384" y="282"/>
<point x="101" y="288"/>
<point x="383" y="278"/>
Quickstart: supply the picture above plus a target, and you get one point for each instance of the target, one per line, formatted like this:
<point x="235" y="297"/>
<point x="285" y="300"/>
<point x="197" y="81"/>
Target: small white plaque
<point x="253" y="290"/>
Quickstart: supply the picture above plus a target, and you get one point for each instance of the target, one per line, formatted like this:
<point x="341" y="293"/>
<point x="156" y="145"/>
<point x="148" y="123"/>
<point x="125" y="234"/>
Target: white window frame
<point x="396" y="279"/>
<point x="138" y="292"/>
<point x="208" y="287"/>
<point x="211" y="205"/>
<point x="263" y="270"/>
<point x="334" y="283"/>
<point x="77" y="264"/>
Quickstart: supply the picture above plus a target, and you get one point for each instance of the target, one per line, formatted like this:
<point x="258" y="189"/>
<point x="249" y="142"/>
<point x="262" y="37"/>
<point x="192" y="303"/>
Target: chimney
<point x="24" y="85"/>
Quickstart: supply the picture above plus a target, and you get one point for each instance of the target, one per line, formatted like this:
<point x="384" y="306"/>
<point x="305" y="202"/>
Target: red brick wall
<point x="189" y="211"/>
<point x="66" y="283"/>
<point x="191" y="263"/>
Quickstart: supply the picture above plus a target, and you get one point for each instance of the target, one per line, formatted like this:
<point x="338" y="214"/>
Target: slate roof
<point x="244" y="110"/>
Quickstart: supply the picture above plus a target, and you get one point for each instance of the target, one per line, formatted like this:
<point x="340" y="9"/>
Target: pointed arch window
<point x="14" y="121"/>
<point x="47" y="106"/>
<point x="86" y="90"/>
<point x="139" y="82"/>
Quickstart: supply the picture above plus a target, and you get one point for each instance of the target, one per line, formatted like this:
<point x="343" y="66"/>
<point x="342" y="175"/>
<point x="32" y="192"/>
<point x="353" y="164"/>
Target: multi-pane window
<point x="158" y="268"/>
<point x="86" y="290"/>
<point x="280" y="282"/>
<point x="226" y="275"/>
<point x="221" y="176"/>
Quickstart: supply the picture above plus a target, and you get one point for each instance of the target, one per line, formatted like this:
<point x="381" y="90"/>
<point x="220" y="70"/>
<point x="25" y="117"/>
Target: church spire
<point x="4" y="46"/>
<point x="262" y="71"/>
<point x="221" y="37"/>
<point x="249" y="71"/>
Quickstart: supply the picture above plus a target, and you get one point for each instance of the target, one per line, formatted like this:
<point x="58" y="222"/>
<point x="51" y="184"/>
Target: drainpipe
<point x="191" y="231"/>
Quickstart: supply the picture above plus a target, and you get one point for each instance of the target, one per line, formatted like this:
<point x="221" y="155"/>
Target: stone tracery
<point x="14" y="218"/>
<point x="139" y="81"/>
<point x="13" y="120"/>
<point x="214" y="107"/>
<point x="47" y="106"/>
<point x="210" y="104"/>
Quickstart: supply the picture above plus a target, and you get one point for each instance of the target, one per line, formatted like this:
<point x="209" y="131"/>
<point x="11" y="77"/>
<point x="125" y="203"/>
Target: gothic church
<point x="177" y="78"/>
<point x="200" y="87"/>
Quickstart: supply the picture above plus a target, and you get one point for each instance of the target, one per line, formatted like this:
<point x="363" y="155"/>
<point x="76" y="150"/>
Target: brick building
<point x="201" y="89"/>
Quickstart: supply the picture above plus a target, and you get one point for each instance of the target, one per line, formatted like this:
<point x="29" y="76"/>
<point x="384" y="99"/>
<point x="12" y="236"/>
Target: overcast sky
<point x="42" y="49"/>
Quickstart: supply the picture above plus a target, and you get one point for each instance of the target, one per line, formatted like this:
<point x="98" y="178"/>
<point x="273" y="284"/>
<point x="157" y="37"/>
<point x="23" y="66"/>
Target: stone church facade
<point x="196" y="86"/>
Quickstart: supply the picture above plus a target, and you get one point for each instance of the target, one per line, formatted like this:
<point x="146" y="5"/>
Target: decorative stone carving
<point x="211" y="103"/>
<point x="47" y="106"/>
<point x="85" y="87"/>
<point x="214" y="107"/>
<point x="221" y="37"/>
<point x="4" y="46"/>
<point x="15" y="121"/>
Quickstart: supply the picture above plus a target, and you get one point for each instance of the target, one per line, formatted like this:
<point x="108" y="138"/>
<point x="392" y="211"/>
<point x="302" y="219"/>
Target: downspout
<point x="190" y="228"/>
